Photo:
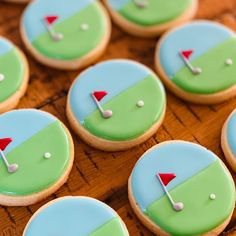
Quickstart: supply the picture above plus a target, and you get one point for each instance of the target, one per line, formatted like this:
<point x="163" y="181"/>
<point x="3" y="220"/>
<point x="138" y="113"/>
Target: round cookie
<point x="36" y="156"/>
<point x="14" y="75"/>
<point x="196" y="62"/>
<point x="65" y="36"/>
<point x="116" y="104"/>
<point x="81" y="216"/>
<point x="228" y="143"/>
<point x="181" y="188"/>
<point x="149" y="18"/>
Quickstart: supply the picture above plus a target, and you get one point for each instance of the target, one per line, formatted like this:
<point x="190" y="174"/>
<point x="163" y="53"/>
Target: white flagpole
<point x="178" y="206"/>
<point x="10" y="167"/>
<point x="106" y="114"/>
<point x="194" y="70"/>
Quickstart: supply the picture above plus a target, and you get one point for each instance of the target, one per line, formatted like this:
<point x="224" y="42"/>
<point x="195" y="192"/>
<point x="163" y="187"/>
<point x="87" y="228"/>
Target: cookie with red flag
<point x="116" y="104"/>
<point x="36" y="156"/>
<point x="65" y="36"/>
<point x="181" y="188"/>
<point x="196" y="61"/>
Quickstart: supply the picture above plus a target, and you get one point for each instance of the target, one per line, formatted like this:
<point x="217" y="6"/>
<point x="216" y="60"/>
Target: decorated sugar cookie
<point x="228" y="141"/>
<point x="181" y="188"/>
<point x="36" y="156"/>
<point x="116" y="104"/>
<point x="14" y="75"/>
<point x="80" y="216"/>
<point x="65" y="36"/>
<point x="196" y="62"/>
<point x="148" y="18"/>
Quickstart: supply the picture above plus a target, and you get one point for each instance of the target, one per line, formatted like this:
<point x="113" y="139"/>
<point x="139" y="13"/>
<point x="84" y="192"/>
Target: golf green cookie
<point x="82" y="216"/>
<point x="228" y="140"/>
<point x="149" y="18"/>
<point x="36" y="156"/>
<point x="65" y="36"/>
<point x="14" y="75"/>
<point x="197" y="62"/>
<point x="116" y="104"/>
<point x="180" y="188"/>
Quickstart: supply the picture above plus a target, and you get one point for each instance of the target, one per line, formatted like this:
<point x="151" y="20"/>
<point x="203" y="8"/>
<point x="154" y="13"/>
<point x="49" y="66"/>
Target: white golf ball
<point x="212" y="196"/>
<point x="2" y="77"/>
<point x="84" y="26"/>
<point x="229" y="62"/>
<point x="47" y="155"/>
<point x="140" y="103"/>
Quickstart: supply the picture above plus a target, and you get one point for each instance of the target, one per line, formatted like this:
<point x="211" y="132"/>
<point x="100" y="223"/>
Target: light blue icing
<point x="199" y="36"/>
<point x="231" y="133"/>
<point x="5" y="46"/>
<point x="181" y="158"/>
<point x="74" y="216"/>
<point x="38" y="9"/>
<point x="112" y="76"/>
<point x="22" y="124"/>
<point x="118" y="4"/>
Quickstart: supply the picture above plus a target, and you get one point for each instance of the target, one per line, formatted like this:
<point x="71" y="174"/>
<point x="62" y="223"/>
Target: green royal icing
<point x="128" y="121"/>
<point x="12" y="68"/>
<point x="157" y="11"/>
<point x="76" y="42"/>
<point x="200" y="213"/>
<point x="115" y="226"/>
<point x="216" y="76"/>
<point x="36" y="173"/>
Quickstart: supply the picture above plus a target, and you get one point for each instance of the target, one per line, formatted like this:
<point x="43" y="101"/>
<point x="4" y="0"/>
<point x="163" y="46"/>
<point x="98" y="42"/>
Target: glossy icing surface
<point x="76" y="42"/>
<point x="81" y="216"/>
<point x="156" y="12"/>
<point x="126" y="83"/>
<point x="217" y="75"/>
<point x="5" y="46"/>
<point x="199" y="173"/>
<point x="12" y="67"/>
<point x="122" y="126"/>
<point x="190" y="37"/>
<point x="210" y="54"/>
<point x="169" y="159"/>
<point x="16" y="124"/>
<point x="34" y="133"/>
<point x="231" y="129"/>
<point x="201" y="214"/>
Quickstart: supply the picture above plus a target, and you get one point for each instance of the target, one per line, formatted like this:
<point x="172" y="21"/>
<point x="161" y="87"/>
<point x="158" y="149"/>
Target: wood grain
<point x="104" y="175"/>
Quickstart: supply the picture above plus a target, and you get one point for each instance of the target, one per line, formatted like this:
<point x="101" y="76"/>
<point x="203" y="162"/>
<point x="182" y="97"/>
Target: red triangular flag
<point x="4" y="143"/>
<point x="50" y="19"/>
<point x="187" y="53"/>
<point x="99" y="95"/>
<point x="166" y="178"/>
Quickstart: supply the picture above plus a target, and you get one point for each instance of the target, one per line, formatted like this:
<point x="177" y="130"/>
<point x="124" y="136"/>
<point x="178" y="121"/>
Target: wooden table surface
<point x="104" y="175"/>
